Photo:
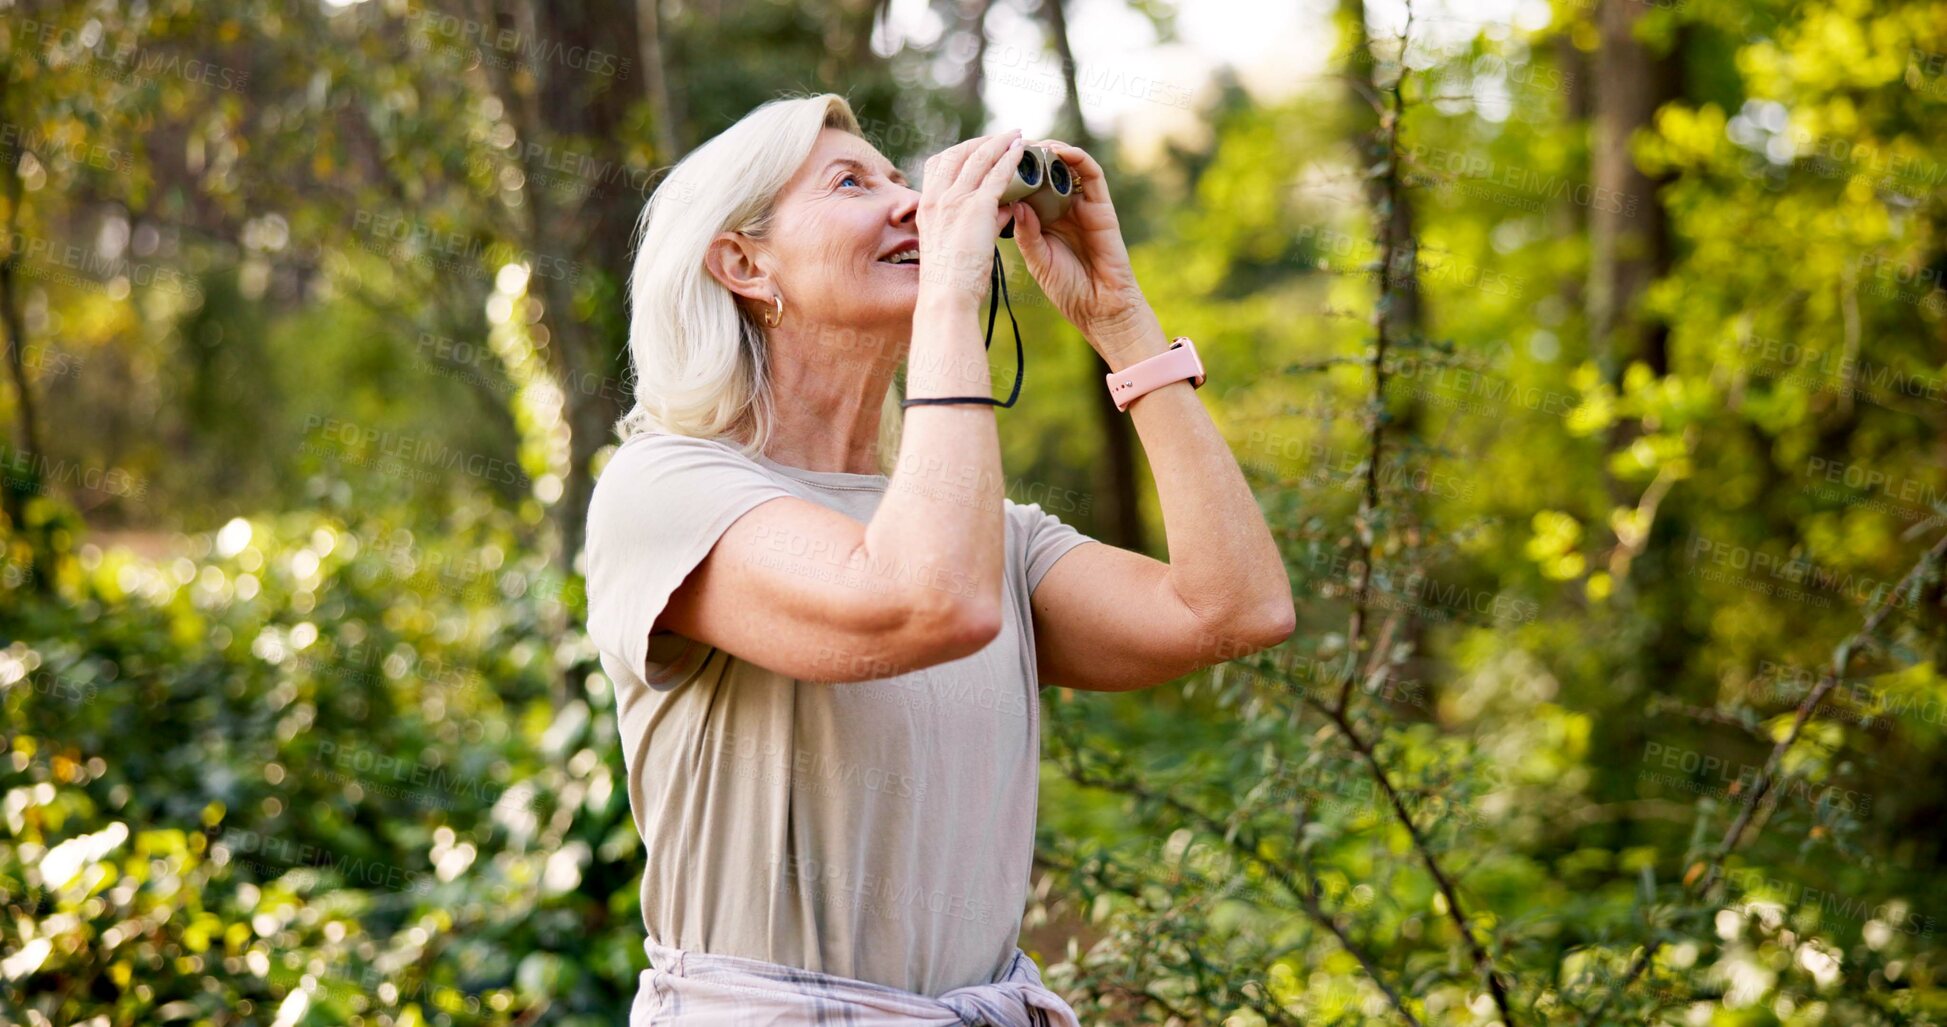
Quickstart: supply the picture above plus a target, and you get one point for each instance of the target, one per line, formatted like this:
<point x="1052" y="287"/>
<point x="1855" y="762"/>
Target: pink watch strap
<point x="1180" y="361"/>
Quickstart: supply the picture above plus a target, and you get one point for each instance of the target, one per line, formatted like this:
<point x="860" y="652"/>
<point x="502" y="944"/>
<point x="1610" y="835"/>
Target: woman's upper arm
<point x="789" y="586"/>
<point x="1107" y="619"/>
<point x="687" y="535"/>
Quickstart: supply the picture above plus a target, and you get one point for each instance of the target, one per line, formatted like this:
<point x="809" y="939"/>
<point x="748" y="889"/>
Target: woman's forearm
<point x="942" y="513"/>
<point x="1224" y="563"/>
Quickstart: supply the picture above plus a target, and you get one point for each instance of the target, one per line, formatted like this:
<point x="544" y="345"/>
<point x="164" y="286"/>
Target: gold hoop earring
<point x="768" y="321"/>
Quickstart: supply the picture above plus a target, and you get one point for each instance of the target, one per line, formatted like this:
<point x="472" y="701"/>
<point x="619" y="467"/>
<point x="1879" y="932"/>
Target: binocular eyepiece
<point x="1044" y="181"/>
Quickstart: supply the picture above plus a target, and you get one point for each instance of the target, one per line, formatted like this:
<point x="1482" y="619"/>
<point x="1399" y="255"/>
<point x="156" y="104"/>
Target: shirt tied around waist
<point x="693" y="988"/>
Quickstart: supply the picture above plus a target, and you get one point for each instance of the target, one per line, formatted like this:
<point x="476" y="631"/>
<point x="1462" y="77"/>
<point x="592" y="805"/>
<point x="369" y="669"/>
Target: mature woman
<point x="827" y="668"/>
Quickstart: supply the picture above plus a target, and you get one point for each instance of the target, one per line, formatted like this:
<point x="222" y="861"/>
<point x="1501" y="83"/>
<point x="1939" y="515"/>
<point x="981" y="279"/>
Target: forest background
<point x="1587" y="357"/>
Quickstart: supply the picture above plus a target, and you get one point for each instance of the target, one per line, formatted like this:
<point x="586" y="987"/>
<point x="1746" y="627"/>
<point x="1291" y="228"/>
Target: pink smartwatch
<point x="1144" y="376"/>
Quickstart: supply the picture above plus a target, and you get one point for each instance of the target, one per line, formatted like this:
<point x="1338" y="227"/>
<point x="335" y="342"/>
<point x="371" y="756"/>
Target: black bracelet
<point x="995" y="294"/>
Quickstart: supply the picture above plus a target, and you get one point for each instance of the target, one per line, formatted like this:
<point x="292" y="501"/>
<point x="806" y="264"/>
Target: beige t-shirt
<point x="881" y="830"/>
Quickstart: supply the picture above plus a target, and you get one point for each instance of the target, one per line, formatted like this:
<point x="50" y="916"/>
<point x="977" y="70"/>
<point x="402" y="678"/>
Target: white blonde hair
<point x="700" y="358"/>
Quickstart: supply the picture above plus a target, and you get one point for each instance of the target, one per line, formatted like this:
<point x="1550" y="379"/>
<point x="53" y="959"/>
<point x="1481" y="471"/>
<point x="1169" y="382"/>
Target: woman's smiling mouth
<point x="903" y="254"/>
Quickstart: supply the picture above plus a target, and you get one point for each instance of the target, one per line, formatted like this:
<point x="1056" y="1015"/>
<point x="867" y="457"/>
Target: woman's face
<point x="835" y="222"/>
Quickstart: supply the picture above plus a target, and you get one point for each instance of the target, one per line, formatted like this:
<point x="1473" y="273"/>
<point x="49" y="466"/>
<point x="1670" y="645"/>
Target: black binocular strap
<point x="995" y="295"/>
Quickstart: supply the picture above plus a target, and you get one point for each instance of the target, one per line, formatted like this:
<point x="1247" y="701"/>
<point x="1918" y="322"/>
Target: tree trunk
<point x="973" y="102"/>
<point x="581" y="244"/>
<point x="1629" y="248"/>
<point x="16" y="491"/>
<point x="1116" y="474"/>
<point x="1629" y="234"/>
<point x="589" y="110"/>
<point x="1577" y="97"/>
<point x="670" y="130"/>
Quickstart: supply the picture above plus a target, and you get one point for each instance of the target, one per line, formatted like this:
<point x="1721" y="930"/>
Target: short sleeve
<point x="1047" y="539"/>
<point x="660" y="504"/>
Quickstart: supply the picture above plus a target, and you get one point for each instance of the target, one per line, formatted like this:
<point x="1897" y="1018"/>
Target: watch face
<point x="1183" y="342"/>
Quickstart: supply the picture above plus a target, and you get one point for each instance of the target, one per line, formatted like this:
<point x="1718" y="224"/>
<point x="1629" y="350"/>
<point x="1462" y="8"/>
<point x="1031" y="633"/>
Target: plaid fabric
<point x="691" y="989"/>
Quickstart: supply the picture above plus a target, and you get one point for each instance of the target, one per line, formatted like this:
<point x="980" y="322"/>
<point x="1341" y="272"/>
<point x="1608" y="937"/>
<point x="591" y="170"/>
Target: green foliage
<point x="299" y="727"/>
<point x="318" y="761"/>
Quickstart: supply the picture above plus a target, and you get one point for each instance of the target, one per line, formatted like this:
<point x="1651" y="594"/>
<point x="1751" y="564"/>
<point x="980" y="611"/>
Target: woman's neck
<point x="826" y="409"/>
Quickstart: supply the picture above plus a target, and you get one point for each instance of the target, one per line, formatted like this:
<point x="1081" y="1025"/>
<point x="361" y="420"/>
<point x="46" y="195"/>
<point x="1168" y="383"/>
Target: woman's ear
<point x="733" y="259"/>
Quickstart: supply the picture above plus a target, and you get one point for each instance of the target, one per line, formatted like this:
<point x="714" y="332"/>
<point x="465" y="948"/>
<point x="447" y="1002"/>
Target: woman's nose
<point x="906" y="208"/>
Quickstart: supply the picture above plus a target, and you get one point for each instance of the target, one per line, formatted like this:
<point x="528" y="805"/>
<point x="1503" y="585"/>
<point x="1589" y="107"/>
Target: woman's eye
<point x="848" y="178"/>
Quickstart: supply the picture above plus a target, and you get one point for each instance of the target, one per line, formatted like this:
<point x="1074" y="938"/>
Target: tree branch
<point x="1483" y="963"/>
<point x="1246" y="846"/>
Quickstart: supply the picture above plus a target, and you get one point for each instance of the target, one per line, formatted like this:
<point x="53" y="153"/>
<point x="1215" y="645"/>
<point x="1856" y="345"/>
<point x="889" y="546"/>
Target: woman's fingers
<point x="954" y="158"/>
<point x="985" y="161"/>
<point x="938" y="173"/>
<point x="1089" y="177"/>
<point x="994" y="182"/>
<point x="1027" y="235"/>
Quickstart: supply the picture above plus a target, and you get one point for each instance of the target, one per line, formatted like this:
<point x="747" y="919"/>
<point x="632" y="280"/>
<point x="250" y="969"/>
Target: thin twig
<point x="1271" y="1014"/>
<point x="1386" y="154"/>
<point x="1245" y="845"/>
<point x="1318" y="914"/>
<point x="1382" y="330"/>
<point x="1483" y="963"/>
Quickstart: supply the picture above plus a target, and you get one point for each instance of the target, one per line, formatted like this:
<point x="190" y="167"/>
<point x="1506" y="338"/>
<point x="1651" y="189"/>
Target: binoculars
<point x="1044" y="181"/>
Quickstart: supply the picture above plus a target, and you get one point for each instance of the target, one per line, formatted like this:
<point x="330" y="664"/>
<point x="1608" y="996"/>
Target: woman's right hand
<point x="960" y="214"/>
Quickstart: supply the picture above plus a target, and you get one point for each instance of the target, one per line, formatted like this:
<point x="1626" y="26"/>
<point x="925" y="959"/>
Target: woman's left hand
<point x="1081" y="263"/>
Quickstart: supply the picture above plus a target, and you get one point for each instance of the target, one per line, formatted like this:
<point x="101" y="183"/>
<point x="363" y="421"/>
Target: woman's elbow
<point x="1277" y="621"/>
<point x="973" y="626"/>
<point x="1257" y="628"/>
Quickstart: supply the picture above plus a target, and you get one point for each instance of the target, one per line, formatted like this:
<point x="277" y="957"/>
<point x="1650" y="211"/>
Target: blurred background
<point x="1587" y="357"/>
